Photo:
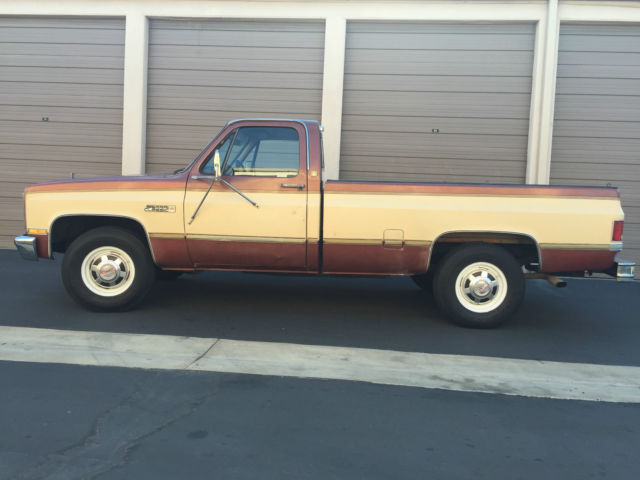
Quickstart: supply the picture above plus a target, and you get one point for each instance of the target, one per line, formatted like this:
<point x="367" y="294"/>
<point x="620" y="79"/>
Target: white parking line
<point x="530" y="378"/>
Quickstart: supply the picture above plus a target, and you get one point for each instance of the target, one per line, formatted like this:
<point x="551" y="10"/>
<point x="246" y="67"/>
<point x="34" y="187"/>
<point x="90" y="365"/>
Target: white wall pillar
<point x="332" y="88"/>
<point x="537" y="79"/>
<point x="134" y="111"/>
<point x="549" y="63"/>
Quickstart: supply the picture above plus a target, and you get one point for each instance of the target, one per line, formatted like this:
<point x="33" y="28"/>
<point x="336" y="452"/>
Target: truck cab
<point x="264" y="211"/>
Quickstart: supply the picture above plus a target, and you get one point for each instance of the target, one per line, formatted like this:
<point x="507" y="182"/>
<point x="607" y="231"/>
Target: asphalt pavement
<point x="73" y="421"/>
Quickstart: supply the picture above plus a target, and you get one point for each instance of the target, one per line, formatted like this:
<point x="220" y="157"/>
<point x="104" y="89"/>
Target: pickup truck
<point x="254" y="200"/>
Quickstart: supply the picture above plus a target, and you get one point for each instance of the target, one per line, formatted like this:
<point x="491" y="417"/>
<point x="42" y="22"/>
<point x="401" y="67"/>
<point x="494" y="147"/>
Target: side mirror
<point x="216" y="164"/>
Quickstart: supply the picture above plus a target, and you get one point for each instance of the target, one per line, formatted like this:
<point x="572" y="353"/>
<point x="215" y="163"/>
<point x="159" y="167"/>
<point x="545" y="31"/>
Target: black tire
<point x="125" y="263"/>
<point x="424" y="280"/>
<point x="478" y="285"/>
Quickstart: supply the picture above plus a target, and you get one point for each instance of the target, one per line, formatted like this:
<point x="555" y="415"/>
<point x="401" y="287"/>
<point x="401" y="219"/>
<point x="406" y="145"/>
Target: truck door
<point x="255" y="215"/>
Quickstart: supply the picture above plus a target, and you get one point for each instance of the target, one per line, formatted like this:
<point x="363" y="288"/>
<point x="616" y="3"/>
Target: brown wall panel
<point x="597" y="116"/>
<point x="204" y="73"/>
<point x="69" y="72"/>
<point x="469" y="82"/>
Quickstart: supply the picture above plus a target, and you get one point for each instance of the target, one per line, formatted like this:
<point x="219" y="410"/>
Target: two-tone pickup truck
<point x="255" y="200"/>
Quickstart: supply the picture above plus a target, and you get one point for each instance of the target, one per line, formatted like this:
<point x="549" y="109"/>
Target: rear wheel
<point x="478" y="285"/>
<point x="107" y="269"/>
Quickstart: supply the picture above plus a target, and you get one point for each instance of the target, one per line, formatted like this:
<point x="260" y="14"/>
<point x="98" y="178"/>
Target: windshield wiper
<point x="238" y="192"/>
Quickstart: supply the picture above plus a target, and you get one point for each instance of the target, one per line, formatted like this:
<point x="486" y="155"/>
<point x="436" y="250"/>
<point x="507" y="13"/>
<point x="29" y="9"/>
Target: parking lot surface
<point x="76" y="421"/>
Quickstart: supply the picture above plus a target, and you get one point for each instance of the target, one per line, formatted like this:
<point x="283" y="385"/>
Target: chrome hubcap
<point x="481" y="287"/>
<point x="108" y="271"/>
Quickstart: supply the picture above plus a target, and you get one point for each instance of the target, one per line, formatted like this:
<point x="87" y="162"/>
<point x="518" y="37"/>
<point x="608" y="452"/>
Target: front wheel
<point x="107" y="269"/>
<point x="479" y="285"/>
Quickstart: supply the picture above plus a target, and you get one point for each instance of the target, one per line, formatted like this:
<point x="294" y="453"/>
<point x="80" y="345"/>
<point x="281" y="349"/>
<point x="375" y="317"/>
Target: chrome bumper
<point x="624" y="270"/>
<point x="26" y="247"/>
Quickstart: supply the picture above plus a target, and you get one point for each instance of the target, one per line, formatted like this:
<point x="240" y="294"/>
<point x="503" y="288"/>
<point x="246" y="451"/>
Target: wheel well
<point x="66" y="229"/>
<point x="523" y="247"/>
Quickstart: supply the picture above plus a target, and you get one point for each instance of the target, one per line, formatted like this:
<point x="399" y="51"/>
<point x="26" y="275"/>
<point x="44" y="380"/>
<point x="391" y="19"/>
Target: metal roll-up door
<point x="205" y="73"/>
<point x="61" y="82"/>
<point x="436" y="102"/>
<point x="596" y="133"/>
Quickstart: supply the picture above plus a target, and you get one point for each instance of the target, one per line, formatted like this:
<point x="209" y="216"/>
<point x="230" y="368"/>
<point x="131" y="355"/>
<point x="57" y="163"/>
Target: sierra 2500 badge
<point x="160" y="208"/>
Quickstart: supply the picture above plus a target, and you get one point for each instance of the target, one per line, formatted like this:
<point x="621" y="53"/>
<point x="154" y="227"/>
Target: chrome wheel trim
<point x="481" y="287"/>
<point x="108" y="271"/>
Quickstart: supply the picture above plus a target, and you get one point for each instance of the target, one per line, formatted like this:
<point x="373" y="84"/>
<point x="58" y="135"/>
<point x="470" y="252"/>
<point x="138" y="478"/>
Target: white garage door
<point x="597" y="116"/>
<point x="60" y="105"/>
<point x="205" y="73"/>
<point x="436" y="102"/>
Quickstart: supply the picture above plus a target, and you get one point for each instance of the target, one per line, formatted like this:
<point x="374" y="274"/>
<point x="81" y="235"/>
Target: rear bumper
<point x="27" y="247"/>
<point x="623" y="271"/>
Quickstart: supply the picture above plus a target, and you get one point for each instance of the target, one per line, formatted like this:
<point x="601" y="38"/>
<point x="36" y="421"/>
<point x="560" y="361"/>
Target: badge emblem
<point x="160" y="208"/>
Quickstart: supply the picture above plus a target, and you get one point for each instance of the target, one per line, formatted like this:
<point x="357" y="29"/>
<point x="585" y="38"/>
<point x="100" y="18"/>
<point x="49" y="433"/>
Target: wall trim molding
<point x="134" y="108"/>
<point x="332" y="91"/>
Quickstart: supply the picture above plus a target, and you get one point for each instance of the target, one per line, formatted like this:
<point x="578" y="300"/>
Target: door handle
<point x="201" y="177"/>
<point x="299" y="186"/>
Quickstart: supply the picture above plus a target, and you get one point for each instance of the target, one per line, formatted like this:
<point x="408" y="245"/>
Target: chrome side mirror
<point x="216" y="164"/>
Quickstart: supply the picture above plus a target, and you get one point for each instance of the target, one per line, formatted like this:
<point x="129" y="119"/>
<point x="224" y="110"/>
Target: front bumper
<point x="27" y="247"/>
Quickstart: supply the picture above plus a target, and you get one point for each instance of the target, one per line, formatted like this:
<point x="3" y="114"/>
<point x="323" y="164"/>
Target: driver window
<point x="263" y="152"/>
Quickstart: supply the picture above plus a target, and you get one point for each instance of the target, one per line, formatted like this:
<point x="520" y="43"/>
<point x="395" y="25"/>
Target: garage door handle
<point x="299" y="186"/>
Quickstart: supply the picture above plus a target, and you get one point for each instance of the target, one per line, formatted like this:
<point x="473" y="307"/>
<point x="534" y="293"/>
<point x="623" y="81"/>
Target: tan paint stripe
<point x="417" y="243"/>
<point x="230" y="238"/>
<point x="352" y="241"/>
<point x="615" y="246"/>
<point x="276" y="190"/>
<point x="367" y="241"/>
<point x="166" y="235"/>
<point x="227" y="238"/>
<point x="497" y="195"/>
<point x="575" y="246"/>
<point x="121" y="190"/>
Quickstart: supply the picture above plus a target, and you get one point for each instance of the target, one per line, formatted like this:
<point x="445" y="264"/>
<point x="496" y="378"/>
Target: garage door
<point x="597" y="116"/>
<point x="60" y="105"/>
<point x="436" y="102"/>
<point x="205" y="73"/>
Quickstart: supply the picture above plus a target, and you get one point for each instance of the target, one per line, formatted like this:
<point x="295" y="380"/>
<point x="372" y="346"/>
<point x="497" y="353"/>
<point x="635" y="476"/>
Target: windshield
<point x="187" y="167"/>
